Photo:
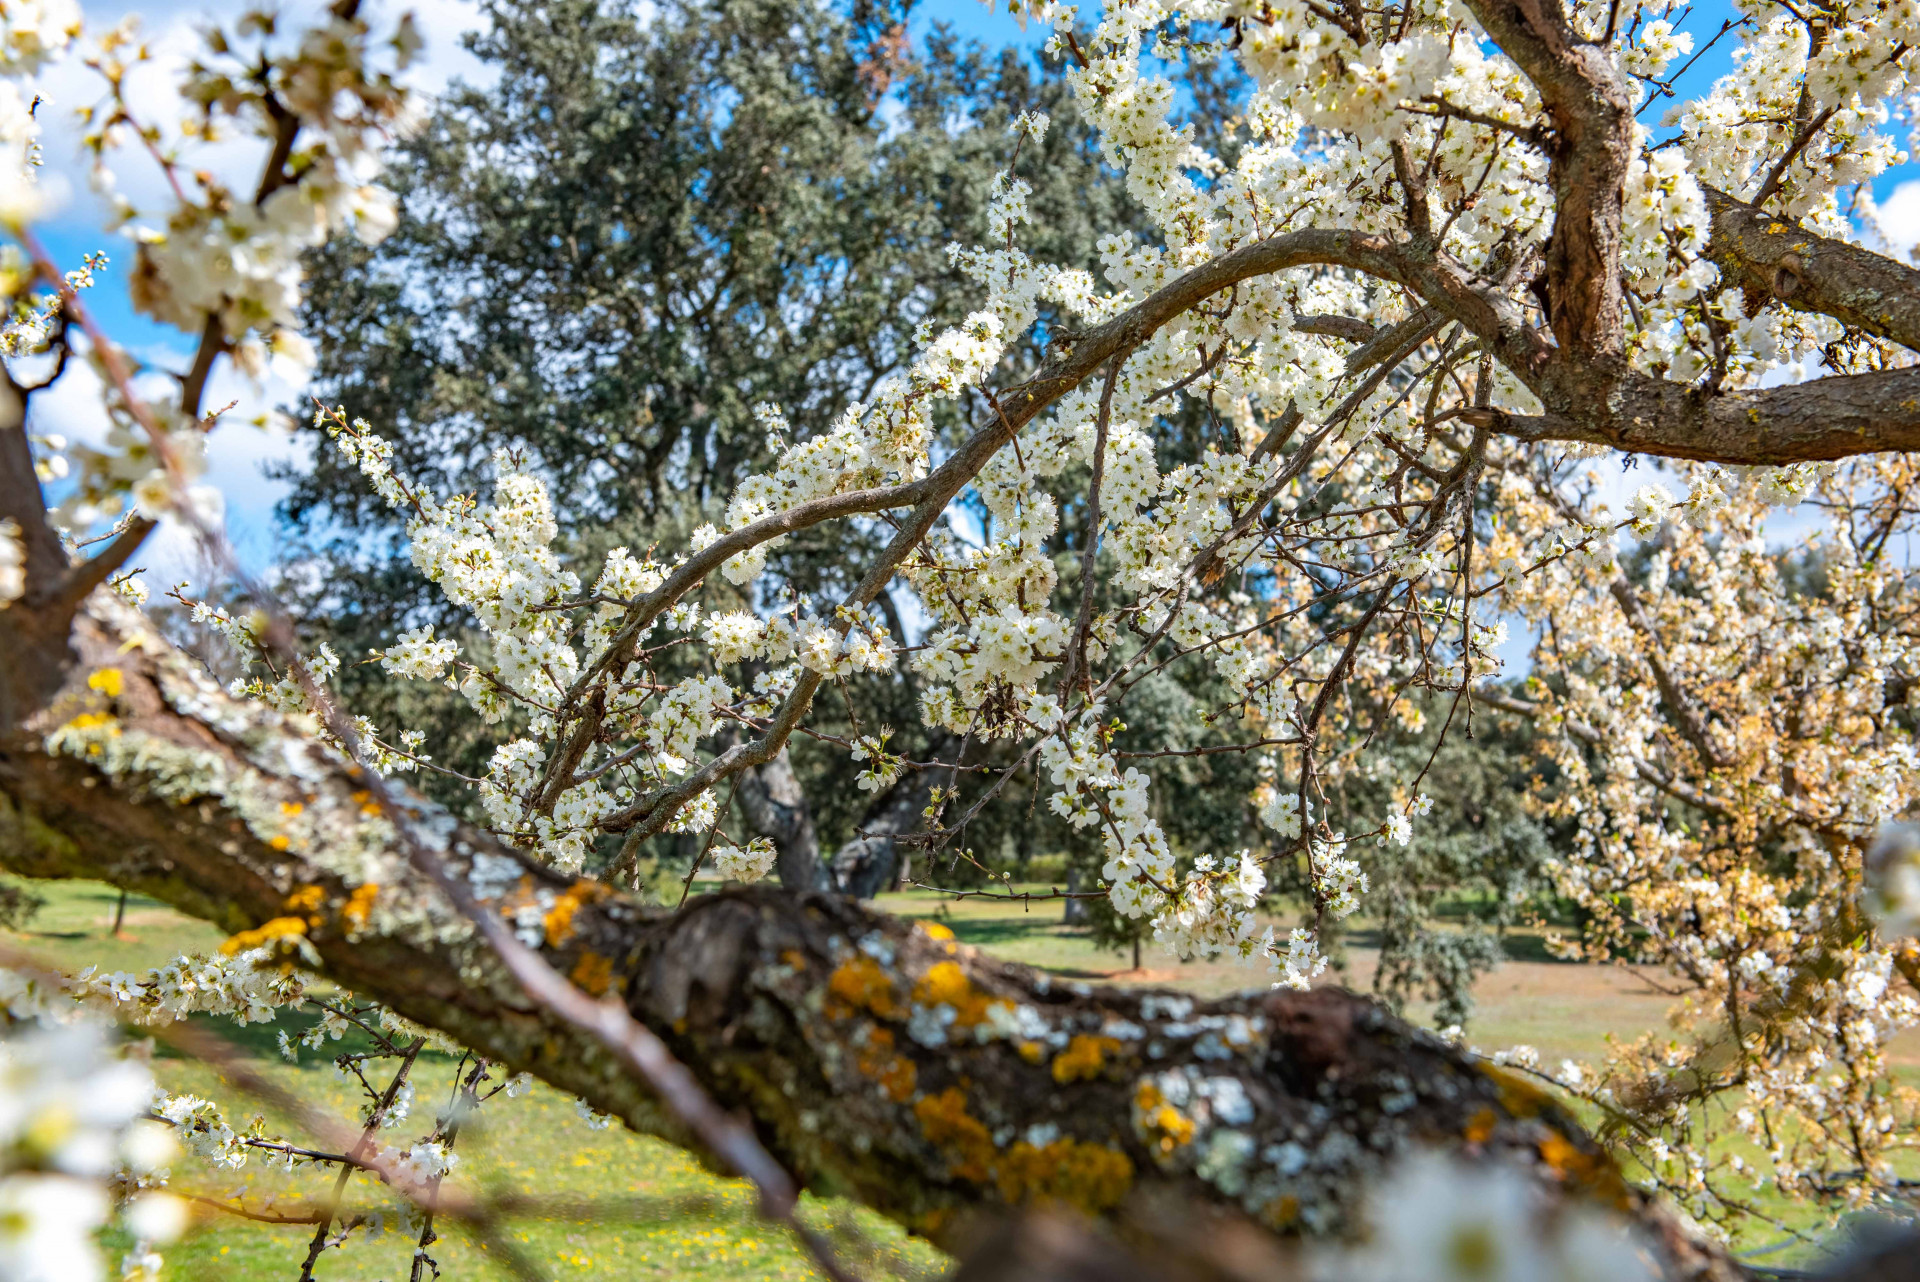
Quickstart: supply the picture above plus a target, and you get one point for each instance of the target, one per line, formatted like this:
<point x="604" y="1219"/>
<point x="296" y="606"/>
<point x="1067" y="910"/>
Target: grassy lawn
<point x="662" y="1215"/>
<point x="656" y="1213"/>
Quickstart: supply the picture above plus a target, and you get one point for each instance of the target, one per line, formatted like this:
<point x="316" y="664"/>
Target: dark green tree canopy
<point x="652" y="222"/>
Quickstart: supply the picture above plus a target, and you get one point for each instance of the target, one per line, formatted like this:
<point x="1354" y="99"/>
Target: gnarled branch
<point x="876" y="1059"/>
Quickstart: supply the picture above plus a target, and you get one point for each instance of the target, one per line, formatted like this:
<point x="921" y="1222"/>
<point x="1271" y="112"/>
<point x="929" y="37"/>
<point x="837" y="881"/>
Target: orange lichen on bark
<point x="860" y="984"/>
<point x="559" y="918"/>
<point x="1565" y="1158"/>
<point x="940" y="934"/>
<point x="278" y="928"/>
<point x="1480" y="1126"/>
<point x="1163" y="1125"/>
<point x="1032" y="1052"/>
<point x="1521" y="1098"/>
<point x="1086" y="1176"/>
<point x="307" y="901"/>
<point x="1591" y="1173"/>
<point x="593" y="973"/>
<point x="895" y="1073"/>
<point x="359" y="905"/>
<point x="1084" y="1057"/>
<point x="946" y="984"/>
<point x="944" y="1120"/>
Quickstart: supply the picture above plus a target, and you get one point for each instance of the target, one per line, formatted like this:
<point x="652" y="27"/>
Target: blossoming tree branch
<point x="1455" y="254"/>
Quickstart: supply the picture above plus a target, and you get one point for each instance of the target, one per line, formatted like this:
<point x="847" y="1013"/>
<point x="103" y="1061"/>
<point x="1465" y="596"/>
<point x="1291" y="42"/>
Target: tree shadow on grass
<point x="262" y="1041"/>
<point x="991" y="932"/>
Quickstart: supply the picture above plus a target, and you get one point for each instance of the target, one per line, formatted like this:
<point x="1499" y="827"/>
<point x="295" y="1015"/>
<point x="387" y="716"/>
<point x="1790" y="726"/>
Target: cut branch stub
<point x="1811" y="273"/>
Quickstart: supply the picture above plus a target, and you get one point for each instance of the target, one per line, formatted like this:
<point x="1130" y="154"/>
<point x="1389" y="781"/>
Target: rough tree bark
<point x="876" y="1058"/>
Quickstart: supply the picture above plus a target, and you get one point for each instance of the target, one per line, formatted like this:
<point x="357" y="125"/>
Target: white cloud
<point x="1898" y="217"/>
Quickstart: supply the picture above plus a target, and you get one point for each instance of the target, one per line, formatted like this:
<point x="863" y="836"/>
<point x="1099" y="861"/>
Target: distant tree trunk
<point x="776" y="806"/>
<point x="1075" y="913"/>
<point x="119" y="911"/>
<point x="870" y="861"/>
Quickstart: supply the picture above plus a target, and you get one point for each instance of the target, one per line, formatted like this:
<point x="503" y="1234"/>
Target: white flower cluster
<point x="418" y="657"/>
<point x="213" y="257"/>
<point x="71" y="1124"/>
<point x="238" y="259"/>
<point x="247" y="987"/>
<point x="33" y="32"/>
<point x="748" y="863"/>
<point x="1439" y="1219"/>
<point x="1798" y="675"/>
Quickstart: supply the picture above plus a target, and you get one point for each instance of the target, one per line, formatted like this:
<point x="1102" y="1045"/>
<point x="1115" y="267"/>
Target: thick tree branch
<point x="1775" y="259"/>
<point x="1606" y="403"/>
<point x="874" y="1058"/>
<point x="1591" y="142"/>
<point x="868" y="863"/>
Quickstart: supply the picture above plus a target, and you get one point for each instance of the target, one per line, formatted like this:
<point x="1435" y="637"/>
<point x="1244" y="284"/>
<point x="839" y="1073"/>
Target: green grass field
<point x="654" y="1211"/>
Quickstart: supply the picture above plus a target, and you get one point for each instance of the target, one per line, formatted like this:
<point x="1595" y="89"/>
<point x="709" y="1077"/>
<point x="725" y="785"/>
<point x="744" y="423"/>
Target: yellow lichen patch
<point x="896" y="1074"/>
<point x="559" y="918"/>
<point x="1592" y="1173"/>
<point x="368" y="807"/>
<point x="359" y="906"/>
<point x="1521" y="1098"/>
<point x="279" y="841"/>
<point x="1480" y="1126"/>
<point x="940" y="934"/>
<point x="593" y="973"/>
<point x="1084" y="1057"/>
<point x="291" y="808"/>
<point x="1563" y="1157"/>
<point x="860" y="984"/>
<point x="278" y="928"/>
<point x="794" y="958"/>
<point x="1088" y="1177"/>
<point x="90" y="727"/>
<point x="1163" y="1126"/>
<point x="306" y="899"/>
<point x="1032" y="1052"/>
<point x="946" y="984"/>
<point x="107" y="681"/>
<point x="945" y="1121"/>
